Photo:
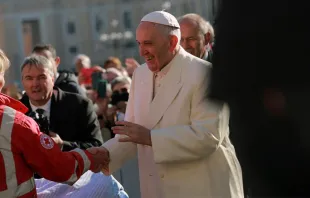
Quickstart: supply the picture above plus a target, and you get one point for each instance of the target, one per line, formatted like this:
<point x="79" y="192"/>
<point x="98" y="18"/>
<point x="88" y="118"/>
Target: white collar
<point x="163" y="72"/>
<point x="46" y="107"/>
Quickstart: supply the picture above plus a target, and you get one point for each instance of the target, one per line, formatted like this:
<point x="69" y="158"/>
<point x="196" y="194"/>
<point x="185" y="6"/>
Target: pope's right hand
<point x="101" y="159"/>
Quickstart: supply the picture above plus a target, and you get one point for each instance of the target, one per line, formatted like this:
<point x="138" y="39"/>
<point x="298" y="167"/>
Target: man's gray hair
<point x="85" y="60"/>
<point x="120" y="79"/>
<point x="168" y="30"/>
<point x="204" y="26"/>
<point x="39" y="61"/>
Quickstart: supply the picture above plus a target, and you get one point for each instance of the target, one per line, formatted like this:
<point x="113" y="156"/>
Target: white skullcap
<point x="161" y="17"/>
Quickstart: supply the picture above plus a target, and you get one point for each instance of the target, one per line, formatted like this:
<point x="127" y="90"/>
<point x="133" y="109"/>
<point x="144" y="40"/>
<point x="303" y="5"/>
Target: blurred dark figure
<point x="260" y="67"/>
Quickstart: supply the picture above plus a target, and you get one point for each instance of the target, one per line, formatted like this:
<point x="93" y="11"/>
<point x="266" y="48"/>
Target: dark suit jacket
<point x="72" y="117"/>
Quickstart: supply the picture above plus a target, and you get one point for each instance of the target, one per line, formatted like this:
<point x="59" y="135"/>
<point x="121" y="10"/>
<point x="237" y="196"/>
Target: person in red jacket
<point x="25" y="150"/>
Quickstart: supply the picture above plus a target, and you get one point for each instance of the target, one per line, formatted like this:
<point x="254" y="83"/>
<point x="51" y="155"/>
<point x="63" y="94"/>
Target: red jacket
<point x="25" y="150"/>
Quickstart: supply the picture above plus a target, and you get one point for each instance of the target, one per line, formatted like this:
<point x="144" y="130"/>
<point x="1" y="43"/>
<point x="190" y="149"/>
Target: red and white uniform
<point x="25" y="150"/>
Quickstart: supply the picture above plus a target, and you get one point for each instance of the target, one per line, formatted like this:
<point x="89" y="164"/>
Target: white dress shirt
<point x="46" y="108"/>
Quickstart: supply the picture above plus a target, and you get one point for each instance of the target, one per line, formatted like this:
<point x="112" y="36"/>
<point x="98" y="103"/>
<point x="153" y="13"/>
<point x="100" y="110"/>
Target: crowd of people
<point x="197" y="38"/>
<point x="157" y="110"/>
<point x="109" y="105"/>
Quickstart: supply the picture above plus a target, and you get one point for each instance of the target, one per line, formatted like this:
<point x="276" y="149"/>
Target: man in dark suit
<point x="73" y="122"/>
<point x="65" y="80"/>
<point x="260" y="67"/>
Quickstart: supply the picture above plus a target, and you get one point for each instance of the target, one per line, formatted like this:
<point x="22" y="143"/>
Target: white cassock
<point x="191" y="154"/>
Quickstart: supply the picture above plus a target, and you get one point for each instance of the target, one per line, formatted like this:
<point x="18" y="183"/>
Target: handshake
<point x="100" y="159"/>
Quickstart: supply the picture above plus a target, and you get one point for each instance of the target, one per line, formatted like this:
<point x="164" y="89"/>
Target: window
<point x="127" y="20"/>
<point x="186" y="8"/>
<point x="130" y="44"/>
<point x="193" y="7"/>
<point x="116" y="44"/>
<point x="98" y="24"/>
<point x="173" y="10"/>
<point x="71" y="27"/>
<point x="73" y="49"/>
<point x="31" y="35"/>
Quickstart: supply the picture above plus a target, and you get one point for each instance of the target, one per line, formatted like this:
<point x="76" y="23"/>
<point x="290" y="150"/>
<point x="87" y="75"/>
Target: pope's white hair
<point x="169" y="30"/>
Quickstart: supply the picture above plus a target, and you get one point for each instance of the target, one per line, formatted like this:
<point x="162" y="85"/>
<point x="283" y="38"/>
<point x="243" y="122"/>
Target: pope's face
<point x="153" y="46"/>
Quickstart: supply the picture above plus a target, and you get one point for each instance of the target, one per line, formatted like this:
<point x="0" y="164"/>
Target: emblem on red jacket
<point x="46" y="141"/>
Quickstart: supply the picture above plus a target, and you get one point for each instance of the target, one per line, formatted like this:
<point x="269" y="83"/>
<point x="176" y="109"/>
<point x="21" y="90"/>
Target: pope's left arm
<point x="205" y="133"/>
<point x="88" y="130"/>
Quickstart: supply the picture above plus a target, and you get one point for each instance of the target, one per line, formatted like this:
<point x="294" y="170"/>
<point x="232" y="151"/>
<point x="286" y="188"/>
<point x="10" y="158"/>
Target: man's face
<point x="192" y="40"/>
<point x="153" y="46"/>
<point x="38" y="83"/>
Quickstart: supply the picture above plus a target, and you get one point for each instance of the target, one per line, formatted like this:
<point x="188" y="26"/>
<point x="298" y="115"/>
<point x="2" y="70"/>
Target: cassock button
<point x="162" y="176"/>
<point x="150" y="175"/>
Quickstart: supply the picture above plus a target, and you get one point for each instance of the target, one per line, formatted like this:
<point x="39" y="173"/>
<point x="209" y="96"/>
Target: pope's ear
<point x="173" y="41"/>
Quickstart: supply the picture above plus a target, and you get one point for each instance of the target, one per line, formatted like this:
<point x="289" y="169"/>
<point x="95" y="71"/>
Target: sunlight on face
<point x="153" y="46"/>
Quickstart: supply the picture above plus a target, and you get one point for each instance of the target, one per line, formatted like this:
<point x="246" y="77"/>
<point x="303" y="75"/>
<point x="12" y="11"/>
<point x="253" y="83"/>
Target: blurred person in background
<point x="120" y="83"/>
<point x="112" y="108"/>
<point x="65" y="80"/>
<point x="105" y="113"/>
<point x="261" y="68"/>
<point x="90" y="77"/>
<point x="81" y="61"/>
<point x="112" y="73"/>
<point x="24" y="149"/>
<point x="83" y="70"/>
<point x="197" y="36"/>
<point x="131" y="65"/>
<point x="120" y="93"/>
<point x="114" y="62"/>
